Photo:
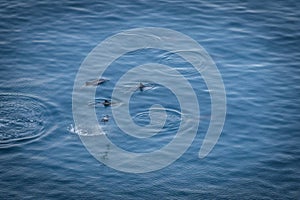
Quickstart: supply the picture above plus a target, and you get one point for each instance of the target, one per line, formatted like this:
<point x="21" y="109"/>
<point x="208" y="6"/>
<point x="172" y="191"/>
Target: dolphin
<point x="95" y="82"/>
<point x="105" y="118"/>
<point x="106" y="103"/>
<point x="141" y="86"/>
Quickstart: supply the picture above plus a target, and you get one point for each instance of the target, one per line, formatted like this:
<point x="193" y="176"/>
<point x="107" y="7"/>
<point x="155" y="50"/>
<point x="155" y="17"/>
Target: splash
<point x="82" y="132"/>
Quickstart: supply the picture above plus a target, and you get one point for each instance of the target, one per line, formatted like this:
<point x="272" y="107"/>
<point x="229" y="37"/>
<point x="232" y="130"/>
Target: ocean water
<point x="255" y="45"/>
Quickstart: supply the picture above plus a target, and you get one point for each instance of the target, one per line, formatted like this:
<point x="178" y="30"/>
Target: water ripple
<point x="23" y="118"/>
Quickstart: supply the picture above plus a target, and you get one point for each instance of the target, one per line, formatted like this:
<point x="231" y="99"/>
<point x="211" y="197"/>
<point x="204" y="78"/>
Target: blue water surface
<point x="255" y="45"/>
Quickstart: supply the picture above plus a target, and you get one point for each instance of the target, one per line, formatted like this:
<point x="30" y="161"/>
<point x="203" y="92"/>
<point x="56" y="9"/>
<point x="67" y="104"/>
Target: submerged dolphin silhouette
<point x="95" y="82"/>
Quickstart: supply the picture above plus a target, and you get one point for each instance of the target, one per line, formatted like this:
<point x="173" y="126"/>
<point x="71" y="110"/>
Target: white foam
<point x="79" y="131"/>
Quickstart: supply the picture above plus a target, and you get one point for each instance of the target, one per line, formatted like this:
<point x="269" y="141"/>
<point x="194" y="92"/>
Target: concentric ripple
<point x="172" y="123"/>
<point x="23" y="118"/>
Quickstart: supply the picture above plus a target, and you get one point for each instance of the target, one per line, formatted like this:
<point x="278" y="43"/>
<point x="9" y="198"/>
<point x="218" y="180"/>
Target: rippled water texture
<point x="255" y="45"/>
<point x="22" y="118"/>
